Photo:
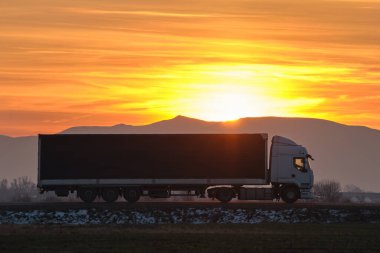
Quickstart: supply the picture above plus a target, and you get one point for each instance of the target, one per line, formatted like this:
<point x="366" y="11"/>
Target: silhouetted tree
<point x="328" y="190"/>
<point x="4" y="190"/>
<point x="22" y="189"/>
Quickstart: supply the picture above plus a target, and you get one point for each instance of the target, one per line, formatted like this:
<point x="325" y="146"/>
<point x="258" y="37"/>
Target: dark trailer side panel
<point x="152" y="156"/>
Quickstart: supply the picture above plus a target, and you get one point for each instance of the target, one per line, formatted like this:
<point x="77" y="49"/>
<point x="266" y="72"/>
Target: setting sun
<point x="223" y="107"/>
<point x="227" y="103"/>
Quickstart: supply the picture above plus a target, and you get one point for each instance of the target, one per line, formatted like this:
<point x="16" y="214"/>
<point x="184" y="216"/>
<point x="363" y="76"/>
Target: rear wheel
<point x="290" y="194"/>
<point x="225" y="195"/>
<point x="87" y="195"/>
<point x="110" y="194"/>
<point x="132" y="195"/>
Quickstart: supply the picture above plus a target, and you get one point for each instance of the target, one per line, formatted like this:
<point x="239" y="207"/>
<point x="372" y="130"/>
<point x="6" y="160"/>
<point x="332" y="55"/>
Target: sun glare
<point x="226" y="92"/>
<point x="225" y="106"/>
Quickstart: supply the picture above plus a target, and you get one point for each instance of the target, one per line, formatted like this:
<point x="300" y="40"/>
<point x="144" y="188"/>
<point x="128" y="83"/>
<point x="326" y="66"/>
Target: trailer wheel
<point x="87" y="195"/>
<point x="110" y="194"/>
<point x="290" y="194"/>
<point x="225" y="195"/>
<point x="132" y="195"/>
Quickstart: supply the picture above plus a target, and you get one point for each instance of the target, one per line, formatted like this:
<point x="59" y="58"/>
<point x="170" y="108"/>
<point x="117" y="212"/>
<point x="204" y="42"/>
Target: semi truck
<point x="217" y="166"/>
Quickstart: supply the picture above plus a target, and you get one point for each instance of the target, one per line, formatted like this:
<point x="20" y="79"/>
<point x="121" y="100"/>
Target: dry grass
<point x="266" y="238"/>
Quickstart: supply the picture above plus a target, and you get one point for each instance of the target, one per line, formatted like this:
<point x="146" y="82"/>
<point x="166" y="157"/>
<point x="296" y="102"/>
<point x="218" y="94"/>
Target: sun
<point x="228" y="106"/>
<point x="227" y="93"/>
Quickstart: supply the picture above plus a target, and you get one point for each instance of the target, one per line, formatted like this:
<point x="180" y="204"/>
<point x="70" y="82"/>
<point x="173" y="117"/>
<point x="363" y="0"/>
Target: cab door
<point x="301" y="171"/>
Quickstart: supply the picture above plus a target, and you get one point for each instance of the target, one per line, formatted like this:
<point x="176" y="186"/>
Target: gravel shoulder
<point x="186" y="213"/>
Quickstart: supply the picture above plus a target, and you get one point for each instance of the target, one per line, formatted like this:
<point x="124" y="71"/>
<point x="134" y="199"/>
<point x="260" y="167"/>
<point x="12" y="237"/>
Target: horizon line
<point x="195" y="119"/>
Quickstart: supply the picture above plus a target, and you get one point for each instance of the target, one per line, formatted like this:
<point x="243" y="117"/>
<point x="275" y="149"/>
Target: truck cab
<point x="290" y="171"/>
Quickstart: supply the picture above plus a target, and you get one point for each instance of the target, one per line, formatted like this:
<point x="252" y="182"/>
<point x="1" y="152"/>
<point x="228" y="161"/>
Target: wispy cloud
<point x="139" y="12"/>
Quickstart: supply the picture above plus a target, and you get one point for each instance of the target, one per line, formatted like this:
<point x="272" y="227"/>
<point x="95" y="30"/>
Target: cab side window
<point x="299" y="163"/>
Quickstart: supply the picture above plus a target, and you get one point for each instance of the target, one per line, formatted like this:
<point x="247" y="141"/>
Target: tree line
<point x="22" y="189"/>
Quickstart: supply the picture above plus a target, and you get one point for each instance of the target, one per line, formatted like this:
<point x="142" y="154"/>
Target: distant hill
<point x="349" y="154"/>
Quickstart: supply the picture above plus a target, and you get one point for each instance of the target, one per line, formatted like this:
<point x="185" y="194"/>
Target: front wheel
<point x="290" y="194"/>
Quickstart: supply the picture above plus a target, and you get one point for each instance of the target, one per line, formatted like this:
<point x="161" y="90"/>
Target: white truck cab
<point x="290" y="171"/>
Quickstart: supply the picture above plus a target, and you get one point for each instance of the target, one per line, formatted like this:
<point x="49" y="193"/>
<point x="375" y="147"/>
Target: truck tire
<point x="290" y="194"/>
<point x="110" y="194"/>
<point x="225" y="195"/>
<point x="132" y="195"/>
<point x="87" y="195"/>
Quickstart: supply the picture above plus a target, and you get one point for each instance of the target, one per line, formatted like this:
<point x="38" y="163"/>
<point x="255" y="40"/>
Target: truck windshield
<point x="299" y="163"/>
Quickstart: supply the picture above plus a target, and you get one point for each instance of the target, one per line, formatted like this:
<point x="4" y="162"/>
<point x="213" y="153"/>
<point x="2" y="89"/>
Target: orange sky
<point x="68" y="63"/>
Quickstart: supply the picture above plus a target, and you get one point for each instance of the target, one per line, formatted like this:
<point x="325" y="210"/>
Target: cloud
<point x="140" y="13"/>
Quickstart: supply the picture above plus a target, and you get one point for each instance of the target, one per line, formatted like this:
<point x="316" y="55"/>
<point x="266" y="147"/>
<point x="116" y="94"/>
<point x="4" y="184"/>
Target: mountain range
<point x="348" y="154"/>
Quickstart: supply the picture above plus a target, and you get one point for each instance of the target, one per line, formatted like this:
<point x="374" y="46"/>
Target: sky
<point x="72" y="63"/>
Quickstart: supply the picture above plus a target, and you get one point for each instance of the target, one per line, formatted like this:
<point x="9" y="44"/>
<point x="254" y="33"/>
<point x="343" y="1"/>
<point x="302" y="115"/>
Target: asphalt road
<point x="166" y="205"/>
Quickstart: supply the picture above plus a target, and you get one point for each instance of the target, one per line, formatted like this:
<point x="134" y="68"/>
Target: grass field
<point x="192" y="238"/>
